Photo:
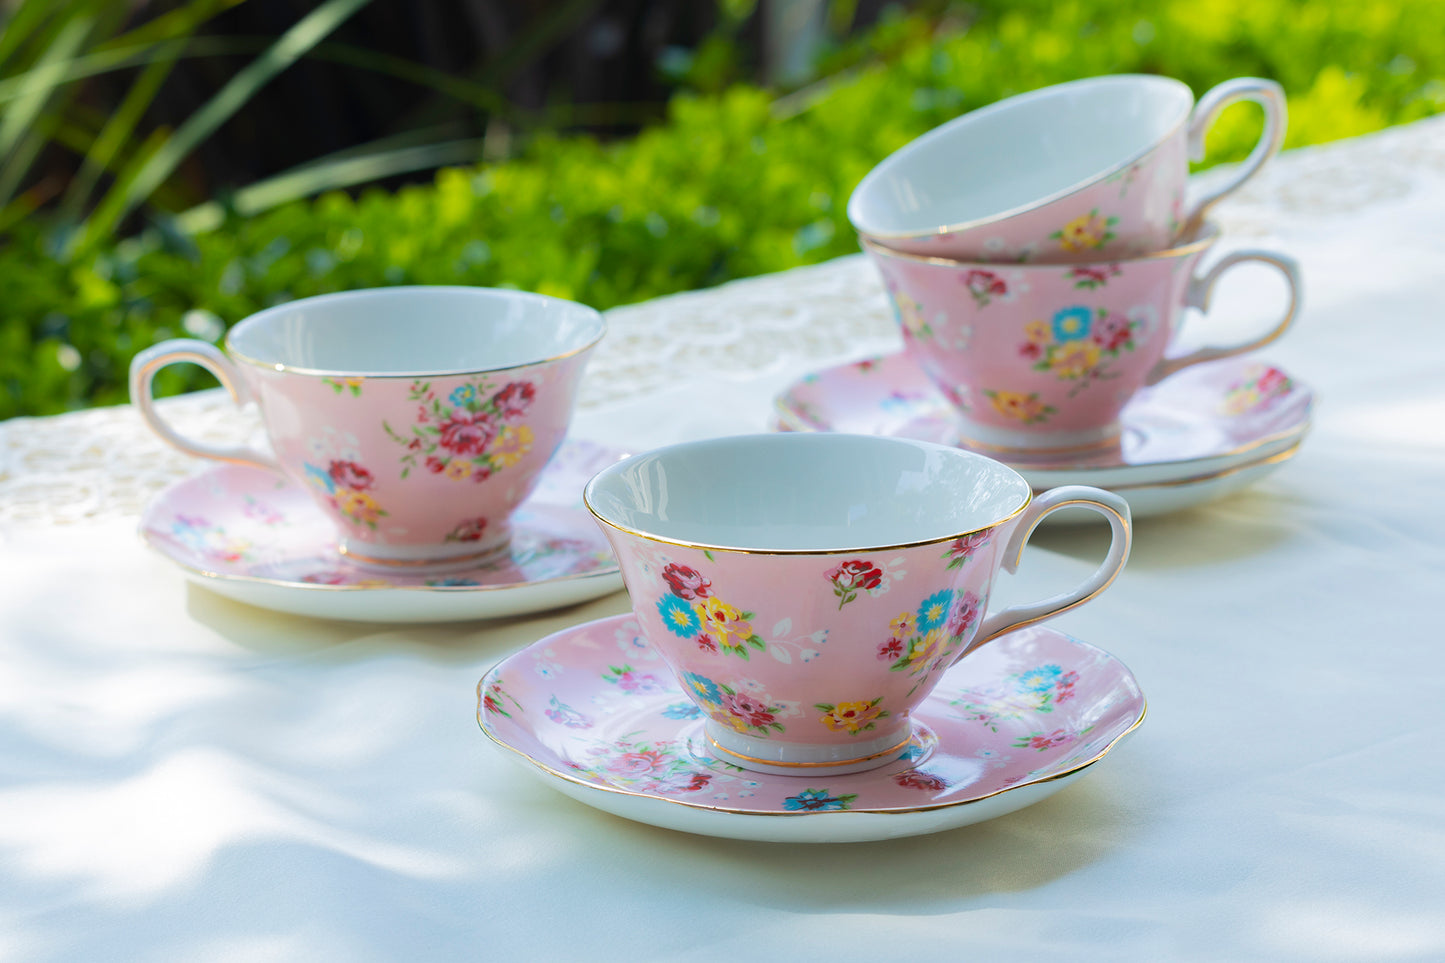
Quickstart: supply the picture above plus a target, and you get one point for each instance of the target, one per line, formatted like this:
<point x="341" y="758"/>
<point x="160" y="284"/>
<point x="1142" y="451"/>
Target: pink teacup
<point x="1083" y="171"/>
<point x="1045" y="356"/>
<point x="417" y="417"/>
<point x="810" y="590"/>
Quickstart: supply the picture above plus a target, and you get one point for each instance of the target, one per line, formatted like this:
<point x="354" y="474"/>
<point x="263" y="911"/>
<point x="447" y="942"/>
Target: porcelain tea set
<point x="811" y="634"/>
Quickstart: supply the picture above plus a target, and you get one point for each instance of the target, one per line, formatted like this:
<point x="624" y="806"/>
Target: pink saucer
<point x="1205" y="432"/>
<point x="254" y="536"/>
<point x="595" y="712"/>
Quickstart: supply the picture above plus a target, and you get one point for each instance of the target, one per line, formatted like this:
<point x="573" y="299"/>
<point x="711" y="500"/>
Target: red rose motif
<point x="1030" y="351"/>
<point x="890" y="650"/>
<point x="752" y="711"/>
<point x="855" y="575"/>
<point x="1111" y="332"/>
<point x="481" y="473"/>
<point x="435" y="465"/>
<point x="699" y="781"/>
<point x="348" y="474"/>
<point x="985" y="282"/>
<point x="707" y="643"/>
<point x="686" y="583"/>
<point x="465" y="433"/>
<point x="513" y="400"/>
<point x="915" y="779"/>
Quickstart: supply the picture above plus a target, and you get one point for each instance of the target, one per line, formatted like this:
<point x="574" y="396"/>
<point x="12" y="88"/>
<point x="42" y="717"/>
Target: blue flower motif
<point x="703" y="688"/>
<point x="461" y="395"/>
<point x="1072" y="324"/>
<point x="934" y="610"/>
<point x="1040" y="679"/>
<point x="682" y="710"/>
<point x="321" y="479"/>
<point x="678" y="616"/>
<point x="912" y="752"/>
<point x="815" y="800"/>
<point x="563" y="714"/>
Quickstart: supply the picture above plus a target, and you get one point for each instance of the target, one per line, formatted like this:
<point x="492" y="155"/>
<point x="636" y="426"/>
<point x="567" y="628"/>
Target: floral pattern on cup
<point x="1091" y="277"/>
<point x="692" y="611"/>
<point x="472" y="433"/>
<point x="920" y="779"/>
<point x="1086" y="232"/>
<point x="986" y="286"/>
<point x="347" y="486"/>
<point x="470" y="530"/>
<point x="853" y="577"/>
<point x="852" y="717"/>
<point x="1256" y="390"/>
<point x="1026" y="407"/>
<point x="1078" y="344"/>
<point x="743" y="706"/>
<point x="351" y="386"/>
<point x="963" y="548"/>
<point x="921" y="640"/>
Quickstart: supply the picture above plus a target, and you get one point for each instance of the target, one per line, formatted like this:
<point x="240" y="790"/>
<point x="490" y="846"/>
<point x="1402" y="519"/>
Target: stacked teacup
<point x="1041" y="253"/>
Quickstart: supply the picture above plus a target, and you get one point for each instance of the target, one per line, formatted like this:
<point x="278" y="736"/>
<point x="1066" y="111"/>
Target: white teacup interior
<point x="799" y="492"/>
<point x="415" y="331"/>
<point x="1018" y="153"/>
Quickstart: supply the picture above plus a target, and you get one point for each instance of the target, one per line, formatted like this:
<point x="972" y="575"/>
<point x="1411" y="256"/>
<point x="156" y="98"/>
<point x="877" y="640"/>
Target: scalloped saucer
<point x="255" y="537"/>
<point x="1205" y="432"/>
<point x="593" y="711"/>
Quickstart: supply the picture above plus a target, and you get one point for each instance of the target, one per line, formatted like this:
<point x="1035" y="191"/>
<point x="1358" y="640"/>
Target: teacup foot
<point x="791" y="759"/>
<point x="391" y="559"/>
<point x="1021" y="445"/>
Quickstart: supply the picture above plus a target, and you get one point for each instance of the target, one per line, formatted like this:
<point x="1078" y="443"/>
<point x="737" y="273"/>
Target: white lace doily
<point x="104" y="463"/>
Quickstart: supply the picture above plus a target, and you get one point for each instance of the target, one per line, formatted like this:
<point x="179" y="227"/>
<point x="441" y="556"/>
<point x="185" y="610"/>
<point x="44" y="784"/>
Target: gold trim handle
<point x="145" y="366"/>
<point x="1114" y="509"/>
<point x="1201" y="290"/>
<point x="1268" y="95"/>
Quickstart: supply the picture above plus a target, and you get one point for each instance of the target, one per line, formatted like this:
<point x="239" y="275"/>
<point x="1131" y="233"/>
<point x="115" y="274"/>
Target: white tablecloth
<point x="186" y="778"/>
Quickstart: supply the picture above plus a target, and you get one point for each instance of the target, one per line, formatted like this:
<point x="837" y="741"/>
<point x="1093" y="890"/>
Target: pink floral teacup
<point x="810" y="590"/>
<point x="417" y="417"/>
<point x="1045" y="356"/>
<point x="1091" y="169"/>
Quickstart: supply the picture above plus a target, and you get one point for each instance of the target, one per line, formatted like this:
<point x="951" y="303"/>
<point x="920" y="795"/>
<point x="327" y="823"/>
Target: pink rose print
<point x="513" y="400"/>
<point x="984" y="286"/>
<point x="686" y="583"/>
<point x="755" y="713"/>
<point x="348" y="474"/>
<point x="707" y="643"/>
<point x="965" y="614"/>
<point x="1112" y="332"/>
<point x="435" y="465"/>
<point x="852" y="577"/>
<point x="467" y="433"/>
<point x="962" y="548"/>
<point x="1040" y="741"/>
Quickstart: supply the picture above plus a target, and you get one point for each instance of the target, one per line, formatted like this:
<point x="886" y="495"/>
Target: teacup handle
<point x="143" y="370"/>
<point x="1201" y="290"/>
<point x="1268" y="95"/>
<point x="1114" y="509"/>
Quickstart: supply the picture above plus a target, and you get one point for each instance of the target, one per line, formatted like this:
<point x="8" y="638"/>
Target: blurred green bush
<point x="734" y="184"/>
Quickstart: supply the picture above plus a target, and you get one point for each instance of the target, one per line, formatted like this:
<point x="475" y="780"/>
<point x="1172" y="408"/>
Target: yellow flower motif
<point x="457" y="470"/>
<point x="511" y="445"/>
<point x="1083" y="233"/>
<point x="357" y="505"/>
<point x="903" y="626"/>
<point x="1016" y="404"/>
<point x="724" y="622"/>
<point x="851" y="716"/>
<point x="928" y="647"/>
<point x="1038" y="332"/>
<point x="1074" y="359"/>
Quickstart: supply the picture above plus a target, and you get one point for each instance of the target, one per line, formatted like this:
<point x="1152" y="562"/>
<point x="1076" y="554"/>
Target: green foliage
<point x="734" y="184"/>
